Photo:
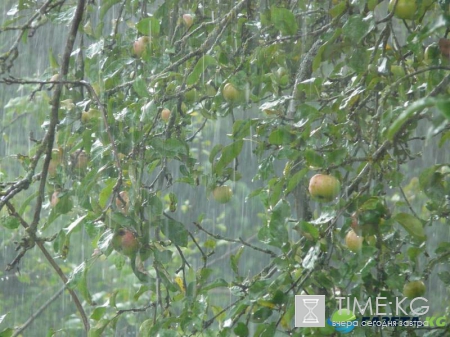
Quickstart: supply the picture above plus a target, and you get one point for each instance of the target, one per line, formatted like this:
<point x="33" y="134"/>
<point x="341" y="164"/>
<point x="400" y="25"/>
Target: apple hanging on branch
<point x="126" y="242"/>
<point x="324" y="188"/>
<point x="222" y="194"/>
<point x="140" y="45"/>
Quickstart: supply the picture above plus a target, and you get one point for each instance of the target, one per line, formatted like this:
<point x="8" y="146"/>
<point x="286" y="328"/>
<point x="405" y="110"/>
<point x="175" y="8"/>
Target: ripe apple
<point x="353" y="241"/>
<point x="126" y="242"/>
<point x="124" y="203"/>
<point x="222" y="194"/>
<point x="405" y="9"/>
<point x="324" y="187"/>
<point x="140" y="45"/>
<point x="414" y="289"/>
<point x="188" y="20"/>
<point x="230" y="93"/>
<point x="165" y="115"/>
<point x="54" y="199"/>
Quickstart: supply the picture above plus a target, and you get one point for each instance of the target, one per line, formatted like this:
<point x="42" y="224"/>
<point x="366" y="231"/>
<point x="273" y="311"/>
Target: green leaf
<point x="234" y="260"/>
<point x="148" y="26"/>
<point x="444" y="107"/>
<point x="431" y="182"/>
<point x="9" y="222"/>
<point x="106" y="192"/>
<point x="280" y="136"/>
<point x="229" y="153"/>
<point x="295" y="180"/>
<point x="202" y="64"/>
<point x="175" y="232"/>
<point x="241" y="330"/>
<point x="8" y="332"/>
<point x="216" y="149"/>
<point x="76" y="276"/>
<point x="284" y="20"/>
<point x="338" y="9"/>
<point x="241" y="128"/>
<point x="275" y="232"/>
<point x="406" y="114"/>
<point x="355" y="28"/>
<point x="314" y="159"/>
<point x="106" y="5"/>
<point x="412" y="225"/>
<point x="98" y="313"/>
<point x="219" y="283"/>
<point x="140" y="87"/>
<point x="261" y="314"/>
<point x="74" y="224"/>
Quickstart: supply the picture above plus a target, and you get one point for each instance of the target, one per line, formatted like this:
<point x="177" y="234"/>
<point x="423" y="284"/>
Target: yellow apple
<point x="405" y="9"/>
<point x="353" y="241"/>
<point x="222" y="194"/>
<point x="188" y="20"/>
<point x="165" y="115"/>
<point x="324" y="187"/>
<point x="230" y="93"/>
<point x="414" y="289"/>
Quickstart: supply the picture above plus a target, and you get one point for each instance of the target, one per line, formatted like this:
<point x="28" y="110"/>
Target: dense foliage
<point x="158" y="163"/>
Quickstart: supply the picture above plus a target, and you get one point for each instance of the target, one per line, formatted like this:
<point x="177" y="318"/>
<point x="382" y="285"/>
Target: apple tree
<point x="185" y="168"/>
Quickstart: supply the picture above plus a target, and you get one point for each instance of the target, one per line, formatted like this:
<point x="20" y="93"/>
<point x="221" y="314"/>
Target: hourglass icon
<point x="310" y="304"/>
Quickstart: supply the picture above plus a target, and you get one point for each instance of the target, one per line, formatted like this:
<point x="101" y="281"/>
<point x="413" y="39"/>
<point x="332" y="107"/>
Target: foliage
<point x="327" y="87"/>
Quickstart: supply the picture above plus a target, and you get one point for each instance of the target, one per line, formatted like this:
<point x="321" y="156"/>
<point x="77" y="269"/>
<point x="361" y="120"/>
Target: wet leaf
<point x="412" y="225"/>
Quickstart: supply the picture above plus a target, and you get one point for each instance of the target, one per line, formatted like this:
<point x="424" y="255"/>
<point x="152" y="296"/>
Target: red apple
<point x="324" y="187"/>
<point x="126" y="242"/>
<point x="140" y="45"/>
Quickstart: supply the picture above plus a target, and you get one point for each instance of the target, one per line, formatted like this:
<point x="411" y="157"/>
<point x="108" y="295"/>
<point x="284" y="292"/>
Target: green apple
<point x="353" y="241"/>
<point x="414" y="289"/>
<point x="230" y="93"/>
<point x="222" y="194"/>
<point x="405" y="9"/>
<point x="126" y="242"/>
<point x="324" y="187"/>
<point x="140" y="45"/>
